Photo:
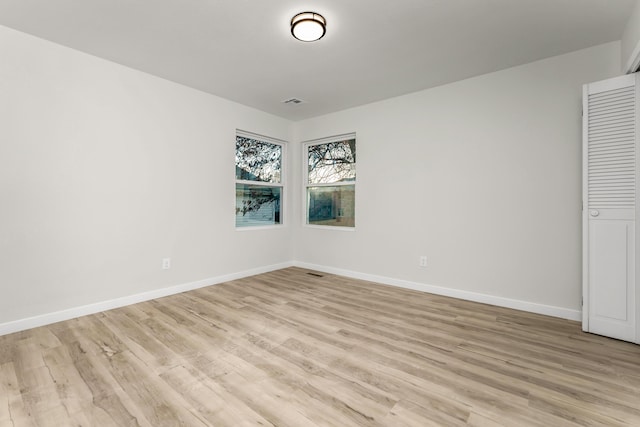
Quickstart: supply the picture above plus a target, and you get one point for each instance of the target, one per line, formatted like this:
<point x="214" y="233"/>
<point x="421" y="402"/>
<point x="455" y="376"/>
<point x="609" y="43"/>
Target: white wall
<point x="631" y="39"/>
<point x="104" y="171"/>
<point x="483" y="176"/>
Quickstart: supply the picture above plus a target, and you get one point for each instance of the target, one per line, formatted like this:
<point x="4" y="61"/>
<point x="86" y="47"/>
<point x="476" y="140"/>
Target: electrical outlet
<point x="166" y="263"/>
<point x="423" y="261"/>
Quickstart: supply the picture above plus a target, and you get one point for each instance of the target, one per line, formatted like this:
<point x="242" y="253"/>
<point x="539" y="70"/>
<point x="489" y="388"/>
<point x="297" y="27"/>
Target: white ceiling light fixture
<point x="308" y="26"/>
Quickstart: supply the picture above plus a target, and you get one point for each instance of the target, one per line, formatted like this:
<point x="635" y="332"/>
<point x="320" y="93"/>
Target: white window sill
<point x="261" y="227"/>
<point x="330" y="227"/>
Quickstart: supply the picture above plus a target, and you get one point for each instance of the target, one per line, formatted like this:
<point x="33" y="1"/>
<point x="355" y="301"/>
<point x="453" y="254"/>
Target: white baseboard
<point x="72" y="313"/>
<point x="549" y="310"/>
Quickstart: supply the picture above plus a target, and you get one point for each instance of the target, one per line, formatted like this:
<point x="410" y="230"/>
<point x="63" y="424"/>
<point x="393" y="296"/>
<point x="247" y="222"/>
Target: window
<point x="331" y="181"/>
<point x="259" y="184"/>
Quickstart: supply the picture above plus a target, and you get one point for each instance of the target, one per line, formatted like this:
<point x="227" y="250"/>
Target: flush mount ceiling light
<point x="308" y="26"/>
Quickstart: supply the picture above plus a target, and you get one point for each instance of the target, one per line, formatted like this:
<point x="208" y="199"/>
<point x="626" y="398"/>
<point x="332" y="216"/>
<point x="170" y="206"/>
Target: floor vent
<point x="315" y="274"/>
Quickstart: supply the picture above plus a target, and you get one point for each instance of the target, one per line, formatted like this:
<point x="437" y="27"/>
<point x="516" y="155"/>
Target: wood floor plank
<point x="13" y="410"/>
<point x="287" y="348"/>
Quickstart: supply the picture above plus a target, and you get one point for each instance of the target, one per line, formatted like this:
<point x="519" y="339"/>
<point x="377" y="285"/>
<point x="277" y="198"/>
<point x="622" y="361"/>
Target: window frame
<point x="281" y="184"/>
<point x="306" y="184"/>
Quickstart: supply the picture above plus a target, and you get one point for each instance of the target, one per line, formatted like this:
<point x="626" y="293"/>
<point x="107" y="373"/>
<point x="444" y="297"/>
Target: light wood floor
<point x="291" y="349"/>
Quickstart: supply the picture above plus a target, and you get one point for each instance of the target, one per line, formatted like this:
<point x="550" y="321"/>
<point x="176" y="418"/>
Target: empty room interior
<point x="188" y="238"/>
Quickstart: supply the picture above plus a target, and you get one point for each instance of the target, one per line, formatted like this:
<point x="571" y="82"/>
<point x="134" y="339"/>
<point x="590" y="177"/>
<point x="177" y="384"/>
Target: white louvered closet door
<point x="611" y="295"/>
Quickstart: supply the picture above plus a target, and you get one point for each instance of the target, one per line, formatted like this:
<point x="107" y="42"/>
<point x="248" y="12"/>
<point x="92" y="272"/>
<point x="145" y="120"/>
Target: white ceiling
<point x="242" y="50"/>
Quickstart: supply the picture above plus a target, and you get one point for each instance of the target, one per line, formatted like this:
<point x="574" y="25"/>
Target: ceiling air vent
<point x="293" y="101"/>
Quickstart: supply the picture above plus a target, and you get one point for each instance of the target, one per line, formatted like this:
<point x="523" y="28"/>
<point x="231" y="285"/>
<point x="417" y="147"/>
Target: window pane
<point x="332" y="162"/>
<point x="332" y="205"/>
<point x="258" y="160"/>
<point x="257" y="205"/>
